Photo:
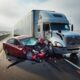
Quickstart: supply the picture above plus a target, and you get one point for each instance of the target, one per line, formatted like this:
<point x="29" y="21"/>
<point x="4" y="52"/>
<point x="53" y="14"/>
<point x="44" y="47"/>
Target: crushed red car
<point x="29" y="48"/>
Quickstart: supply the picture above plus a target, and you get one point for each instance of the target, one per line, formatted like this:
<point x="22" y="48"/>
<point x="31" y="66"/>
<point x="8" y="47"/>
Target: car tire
<point x="6" y="52"/>
<point x="29" y="55"/>
<point x="38" y="60"/>
<point x="7" y="55"/>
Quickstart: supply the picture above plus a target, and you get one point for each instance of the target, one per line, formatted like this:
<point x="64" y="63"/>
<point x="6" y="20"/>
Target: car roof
<point x="22" y="37"/>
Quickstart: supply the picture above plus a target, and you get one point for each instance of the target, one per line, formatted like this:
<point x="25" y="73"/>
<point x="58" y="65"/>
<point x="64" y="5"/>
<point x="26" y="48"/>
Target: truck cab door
<point x="39" y="31"/>
<point x="46" y="31"/>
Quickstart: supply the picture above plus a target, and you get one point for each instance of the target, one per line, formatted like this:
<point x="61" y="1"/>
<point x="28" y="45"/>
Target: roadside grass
<point x="4" y="36"/>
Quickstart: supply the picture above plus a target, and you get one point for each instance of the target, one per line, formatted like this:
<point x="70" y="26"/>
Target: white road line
<point x="72" y="64"/>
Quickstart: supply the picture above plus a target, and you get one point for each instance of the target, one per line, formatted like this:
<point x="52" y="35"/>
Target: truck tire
<point x="74" y="58"/>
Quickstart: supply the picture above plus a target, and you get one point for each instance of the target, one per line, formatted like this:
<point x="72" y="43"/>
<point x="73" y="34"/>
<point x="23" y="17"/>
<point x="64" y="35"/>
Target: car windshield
<point x="29" y="41"/>
<point x="57" y="26"/>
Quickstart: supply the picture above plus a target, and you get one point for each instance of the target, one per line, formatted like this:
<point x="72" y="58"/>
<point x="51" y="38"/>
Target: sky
<point x="11" y="11"/>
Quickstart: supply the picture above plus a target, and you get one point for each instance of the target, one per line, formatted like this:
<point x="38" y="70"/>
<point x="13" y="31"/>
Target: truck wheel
<point x="74" y="58"/>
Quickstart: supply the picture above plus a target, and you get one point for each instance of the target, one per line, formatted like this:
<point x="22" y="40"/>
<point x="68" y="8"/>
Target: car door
<point x="9" y="46"/>
<point x="14" y="48"/>
<point x="18" y="49"/>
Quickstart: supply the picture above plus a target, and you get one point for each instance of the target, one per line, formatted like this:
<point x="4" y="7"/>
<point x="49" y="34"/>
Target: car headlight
<point x="58" y="44"/>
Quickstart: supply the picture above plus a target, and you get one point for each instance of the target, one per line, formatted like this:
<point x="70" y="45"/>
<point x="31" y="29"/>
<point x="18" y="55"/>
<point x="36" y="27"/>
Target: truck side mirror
<point x="72" y="27"/>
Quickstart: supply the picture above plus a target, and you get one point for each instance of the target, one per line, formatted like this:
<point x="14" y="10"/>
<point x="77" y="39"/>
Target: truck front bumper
<point x="65" y="50"/>
<point x="60" y="50"/>
<point x="73" y="50"/>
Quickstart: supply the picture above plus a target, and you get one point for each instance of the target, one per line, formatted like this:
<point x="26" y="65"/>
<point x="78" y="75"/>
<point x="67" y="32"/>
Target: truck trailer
<point x="52" y="26"/>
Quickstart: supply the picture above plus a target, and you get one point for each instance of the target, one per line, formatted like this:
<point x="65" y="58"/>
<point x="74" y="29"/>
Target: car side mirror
<point x="72" y="27"/>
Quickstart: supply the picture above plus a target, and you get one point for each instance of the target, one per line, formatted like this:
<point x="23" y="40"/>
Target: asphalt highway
<point x="27" y="70"/>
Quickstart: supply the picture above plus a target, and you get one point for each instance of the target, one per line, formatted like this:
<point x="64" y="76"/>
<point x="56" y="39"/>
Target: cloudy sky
<point x="11" y="11"/>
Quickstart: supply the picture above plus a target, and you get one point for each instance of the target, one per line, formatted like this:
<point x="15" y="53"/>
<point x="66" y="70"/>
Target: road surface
<point x="27" y="70"/>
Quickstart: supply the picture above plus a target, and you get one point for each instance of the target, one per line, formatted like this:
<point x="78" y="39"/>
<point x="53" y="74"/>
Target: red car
<point x="24" y="47"/>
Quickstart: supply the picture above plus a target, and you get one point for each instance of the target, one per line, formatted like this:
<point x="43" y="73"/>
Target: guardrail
<point x="3" y="36"/>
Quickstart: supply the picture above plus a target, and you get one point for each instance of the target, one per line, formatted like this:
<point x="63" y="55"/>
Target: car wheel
<point x="6" y="52"/>
<point x="7" y="55"/>
<point x="38" y="60"/>
<point x="29" y="55"/>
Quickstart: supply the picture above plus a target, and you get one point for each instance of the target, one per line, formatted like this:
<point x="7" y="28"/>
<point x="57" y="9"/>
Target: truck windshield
<point x="59" y="26"/>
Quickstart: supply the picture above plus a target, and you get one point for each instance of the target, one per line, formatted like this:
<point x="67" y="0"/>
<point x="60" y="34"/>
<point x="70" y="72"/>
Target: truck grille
<point x="73" y="40"/>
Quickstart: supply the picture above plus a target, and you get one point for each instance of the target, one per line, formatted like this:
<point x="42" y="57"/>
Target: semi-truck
<point x="53" y="27"/>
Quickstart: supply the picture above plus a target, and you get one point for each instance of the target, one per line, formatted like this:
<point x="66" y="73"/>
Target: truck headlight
<point x="58" y="44"/>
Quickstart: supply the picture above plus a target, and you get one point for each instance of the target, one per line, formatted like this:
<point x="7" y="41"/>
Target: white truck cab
<point x="56" y="28"/>
<point x="52" y="26"/>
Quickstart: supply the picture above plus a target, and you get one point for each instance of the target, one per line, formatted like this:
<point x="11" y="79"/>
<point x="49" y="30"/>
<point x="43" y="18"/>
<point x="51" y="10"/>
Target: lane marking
<point x="72" y="64"/>
<point x="1" y="50"/>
